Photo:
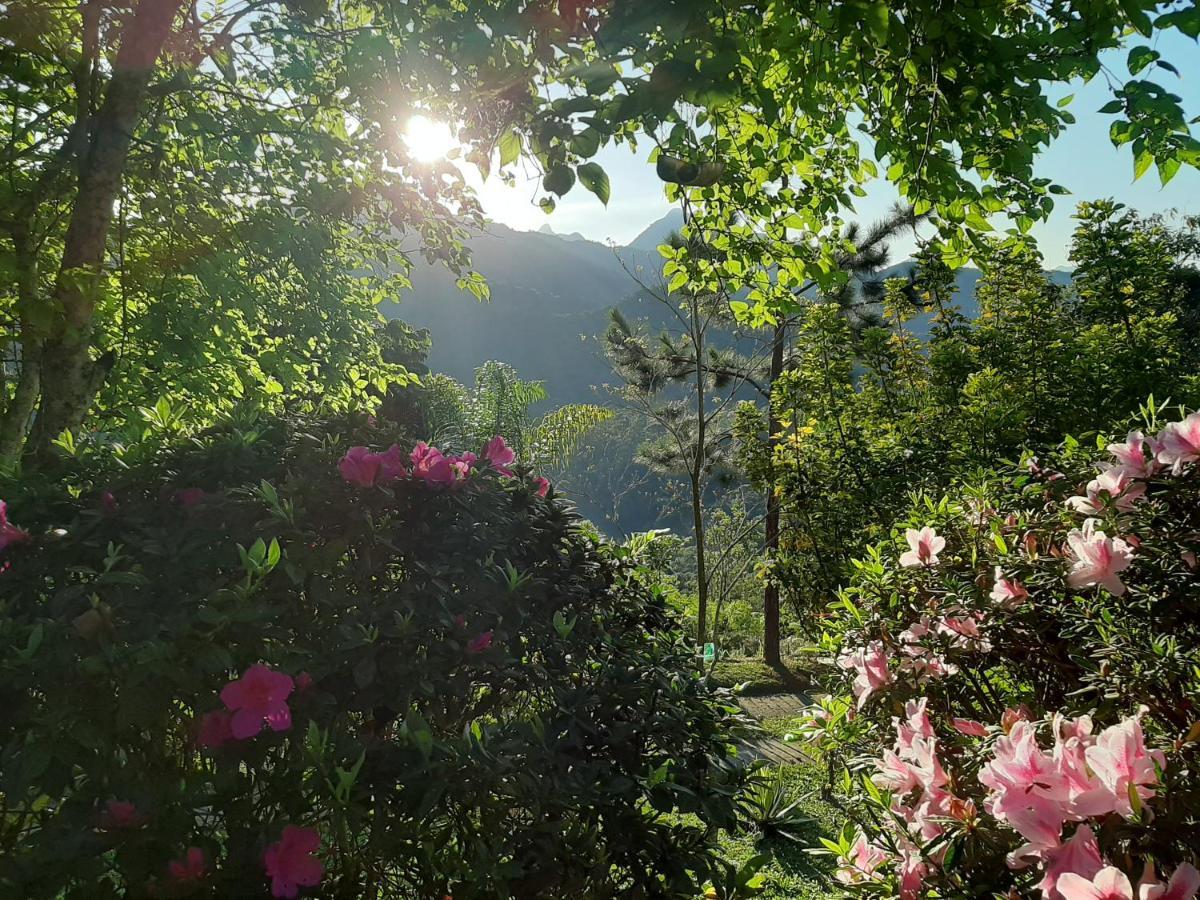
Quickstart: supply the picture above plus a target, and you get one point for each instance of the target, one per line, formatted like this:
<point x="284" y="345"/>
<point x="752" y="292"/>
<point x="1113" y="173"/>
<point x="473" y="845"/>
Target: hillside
<point x="551" y="296"/>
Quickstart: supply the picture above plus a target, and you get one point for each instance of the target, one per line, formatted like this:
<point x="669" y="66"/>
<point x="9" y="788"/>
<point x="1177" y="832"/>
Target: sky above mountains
<point x="1083" y="160"/>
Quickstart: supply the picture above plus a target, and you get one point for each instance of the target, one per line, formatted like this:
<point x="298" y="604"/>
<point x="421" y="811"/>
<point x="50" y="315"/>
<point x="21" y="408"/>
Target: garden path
<point x="767" y="747"/>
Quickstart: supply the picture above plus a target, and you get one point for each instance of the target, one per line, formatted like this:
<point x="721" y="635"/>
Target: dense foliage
<point x="1035" y="647"/>
<point x="246" y="667"/>
<point x="871" y="409"/>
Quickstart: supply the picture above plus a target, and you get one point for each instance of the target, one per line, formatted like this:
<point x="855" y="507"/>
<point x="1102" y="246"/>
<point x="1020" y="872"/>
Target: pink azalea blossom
<point x="9" y="534"/>
<point x="1114" y="487"/>
<point x="969" y="727"/>
<point x="1109" y="883"/>
<point x="1131" y="456"/>
<point x="430" y="466"/>
<point x="365" y="469"/>
<point x="1179" y="443"/>
<point x="964" y="632"/>
<point x="193" y="866"/>
<point x="912" y="871"/>
<point x="1080" y="855"/>
<point x="480" y="643"/>
<point x="462" y="465"/>
<point x="121" y="815"/>
<point x="1027" y="789"/>
<point x="541" y="486"/>
<point x="1184" y="884"/>
<point x="214" y="729"/>
<point x="1008" y="592"/>
<point x="1096" y="559"/>
<point x="259" y="695"/>
<point x="861" y="863"/>
<point x="926" y="544"/>
<point x="291" y="862"/>
<point x="500" y="455"/>
<point x="189" y="497"/>
<point x="916" y="724"/>
<point x="1123" y="765"/>
<point x="870" y="664"/>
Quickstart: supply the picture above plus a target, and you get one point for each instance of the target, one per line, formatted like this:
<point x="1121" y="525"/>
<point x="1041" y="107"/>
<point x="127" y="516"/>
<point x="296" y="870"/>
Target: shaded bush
<point x="230" y="672"/>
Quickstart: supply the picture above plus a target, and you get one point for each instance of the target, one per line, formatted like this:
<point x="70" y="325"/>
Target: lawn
<point x="793" y="872"/>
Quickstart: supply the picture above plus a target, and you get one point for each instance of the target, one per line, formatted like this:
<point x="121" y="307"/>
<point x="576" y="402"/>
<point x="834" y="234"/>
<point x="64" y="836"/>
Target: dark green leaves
<point x="593" y="177"/>
<point x="559" y="180"/>
<point x="1139" y="58"/>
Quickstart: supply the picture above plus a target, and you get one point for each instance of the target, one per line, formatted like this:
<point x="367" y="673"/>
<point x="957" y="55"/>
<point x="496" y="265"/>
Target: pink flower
<point x="541" y="486"/>
<point x="912" y="871"/>
<point x="969" y="727"/>
<point x="215" y="729"/>
<point x="1008" y="592"/>
<point x="860" y="865"/>
<point x="462" y="465"/>
<point x="871" y="667"/>
<point x="259" y="695"/>
<point x="1097" y="558"/>
<point x="500" y="455"/>
<point x="1027" y="788"/>
<point x="925" y="544"/>
<point x="121" y="815"/>
<point x="480" y="643"/>
<point x="1184" y="884"/>
<point x="964" y="632"/>
<point x="108" y="502"/>
<point x="1179" y="443"/>
<point x="192" y="867"/>
<point x="1123" y="764"/>
<point x="1109" y="883"/>
<point x="915" y="725"/>
<point x="430" y="466"/>
<point x="9" y="534"/>
<point x="291" y="861"/>
<point x="1080" y="855"/>
<point x="1131" y="456"/>
<point x="363" y="468"/>
<point x="1113" y="486"/>
<point x="189" y="497"/>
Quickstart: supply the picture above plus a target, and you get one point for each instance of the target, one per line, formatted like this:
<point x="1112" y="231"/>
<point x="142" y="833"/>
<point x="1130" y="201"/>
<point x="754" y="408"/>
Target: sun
<point x="429" y="140"/>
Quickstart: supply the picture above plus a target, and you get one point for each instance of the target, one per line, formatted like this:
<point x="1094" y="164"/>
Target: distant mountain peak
<point x="546" y="229"/>
<point x="657" y="232"/>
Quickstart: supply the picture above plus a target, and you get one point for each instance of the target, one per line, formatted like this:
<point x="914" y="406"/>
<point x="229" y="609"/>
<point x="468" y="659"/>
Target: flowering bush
<point x="279" y="662"/>
<point x="1031" y="658"/>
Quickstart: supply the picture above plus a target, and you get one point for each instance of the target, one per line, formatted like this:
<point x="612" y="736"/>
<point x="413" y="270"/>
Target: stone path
<point x="771" y="749"/>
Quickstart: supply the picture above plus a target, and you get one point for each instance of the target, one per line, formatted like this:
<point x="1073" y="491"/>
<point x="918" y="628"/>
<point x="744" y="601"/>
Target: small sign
<point x="710" y="652"/>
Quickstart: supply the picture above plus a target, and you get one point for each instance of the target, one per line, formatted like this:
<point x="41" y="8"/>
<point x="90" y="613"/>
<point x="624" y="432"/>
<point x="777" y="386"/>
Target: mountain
<point x="551" y="296"/>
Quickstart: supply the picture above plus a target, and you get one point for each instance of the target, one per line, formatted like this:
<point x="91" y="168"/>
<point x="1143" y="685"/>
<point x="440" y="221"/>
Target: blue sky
<point x="1083" y="160"/>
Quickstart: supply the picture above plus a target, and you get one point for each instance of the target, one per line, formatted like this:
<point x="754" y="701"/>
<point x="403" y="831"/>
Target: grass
<point x="759" y="678"/>
<point x="793" y="873"/>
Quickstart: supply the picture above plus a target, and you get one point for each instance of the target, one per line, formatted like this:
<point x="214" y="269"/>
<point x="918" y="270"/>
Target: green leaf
<point x="1167" y="169"/>
<point x="1066" y="101"/>
<point x="586" y="142"/>
<point x="593" y="177"/>
<point x="1139" y="58"/>
<point x="1112" y="106"/>
<point x="877" y="20"/>
<point x="559" y="180"/>
<point x="510" y="147"/>
<point x="1141" y="165"/>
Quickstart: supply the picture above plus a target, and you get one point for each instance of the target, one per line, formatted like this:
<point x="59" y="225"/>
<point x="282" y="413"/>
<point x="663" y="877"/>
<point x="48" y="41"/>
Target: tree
<point x="687" y="386"/>
<point x="499" y="405"/>
<point x="172" y="169"/>
<point x="868" y="254"/>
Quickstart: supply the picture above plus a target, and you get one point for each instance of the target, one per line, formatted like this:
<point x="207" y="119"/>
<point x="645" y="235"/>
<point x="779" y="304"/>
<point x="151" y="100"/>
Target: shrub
<point x="1037" y="650"/>
<point x="233" y="671"/>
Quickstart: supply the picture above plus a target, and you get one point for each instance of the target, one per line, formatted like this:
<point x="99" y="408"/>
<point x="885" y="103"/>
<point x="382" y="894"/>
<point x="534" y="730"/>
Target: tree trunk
<point x="771" y="586"/>
<point x="698" y="478"/>
<point x="69" y="376"/>
<point x="14" y="422"/>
